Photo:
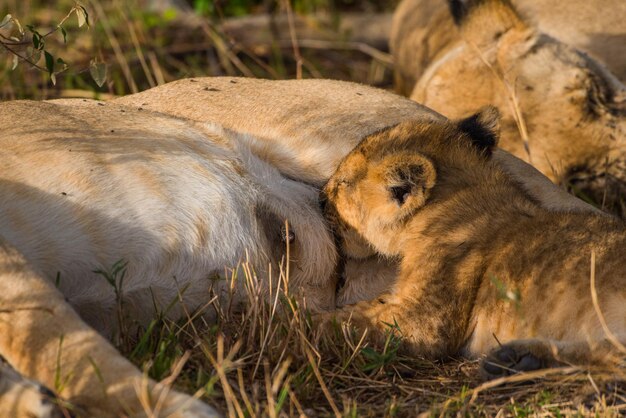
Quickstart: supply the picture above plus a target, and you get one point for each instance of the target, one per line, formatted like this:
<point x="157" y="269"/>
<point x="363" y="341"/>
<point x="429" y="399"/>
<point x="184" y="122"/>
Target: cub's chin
<point x="366" y="279"/>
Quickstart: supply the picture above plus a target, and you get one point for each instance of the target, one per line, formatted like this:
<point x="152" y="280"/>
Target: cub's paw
<point x="512" y="359"/>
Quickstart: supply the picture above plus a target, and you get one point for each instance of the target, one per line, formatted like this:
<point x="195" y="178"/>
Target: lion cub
<point x="482" y="262"/>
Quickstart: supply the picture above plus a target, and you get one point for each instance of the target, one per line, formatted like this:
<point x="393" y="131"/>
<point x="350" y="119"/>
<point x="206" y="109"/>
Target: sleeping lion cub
<point x="482" y="261"/>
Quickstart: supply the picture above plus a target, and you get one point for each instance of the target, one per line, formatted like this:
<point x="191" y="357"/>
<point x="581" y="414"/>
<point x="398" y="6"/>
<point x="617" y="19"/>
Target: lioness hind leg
<point x="21" y="397"/>
<point x="534" y="354"/>
<point x="44" y="339"/>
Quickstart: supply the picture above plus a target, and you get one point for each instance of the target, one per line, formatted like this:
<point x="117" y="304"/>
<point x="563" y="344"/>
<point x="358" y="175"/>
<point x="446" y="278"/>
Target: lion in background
<point x="482" y="263"/>
<point x="563" y="111"/>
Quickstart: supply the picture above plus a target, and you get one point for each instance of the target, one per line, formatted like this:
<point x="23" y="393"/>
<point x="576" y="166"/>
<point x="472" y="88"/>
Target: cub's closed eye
<point x="400" y="193"/>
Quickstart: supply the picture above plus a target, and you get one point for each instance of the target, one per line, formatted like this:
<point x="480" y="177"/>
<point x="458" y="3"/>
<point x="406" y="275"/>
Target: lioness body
<point x="482" y="262"/>
<point x="562" y="111"/>
<point x="301" y="127"/>
<point x="146" y="188"/>
<point x="89" y="185"/>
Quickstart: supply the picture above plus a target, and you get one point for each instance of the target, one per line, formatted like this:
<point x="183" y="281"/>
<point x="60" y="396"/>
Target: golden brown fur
<point x="482" y="261"/>
<point x="562" y="111"/>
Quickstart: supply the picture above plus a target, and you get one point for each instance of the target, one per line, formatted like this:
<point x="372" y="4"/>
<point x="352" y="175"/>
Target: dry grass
<point x="143" y="47"/>
<point x="269" y="360"/>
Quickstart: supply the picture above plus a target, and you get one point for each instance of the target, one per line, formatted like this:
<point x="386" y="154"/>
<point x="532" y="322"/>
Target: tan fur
<point x="21" y="397"/>
<point x="573" y="109"/>
<point x="480" y="257"/>
<point x="302" y="127"/>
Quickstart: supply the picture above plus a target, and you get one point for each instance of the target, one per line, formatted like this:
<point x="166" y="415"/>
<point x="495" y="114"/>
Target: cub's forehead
<point x="413" y="136"/>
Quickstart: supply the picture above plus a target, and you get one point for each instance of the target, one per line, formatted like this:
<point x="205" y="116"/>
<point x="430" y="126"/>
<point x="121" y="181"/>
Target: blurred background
<point x="125" y="46"/>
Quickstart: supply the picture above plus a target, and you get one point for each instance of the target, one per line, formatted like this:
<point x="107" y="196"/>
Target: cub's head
<point x="572" y="108"/>
<point x="395" y="174"/>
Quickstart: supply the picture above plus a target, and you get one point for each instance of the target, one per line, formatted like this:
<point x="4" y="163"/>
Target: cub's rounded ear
<point x="483" y="129"/>
<point x="408" y="179"/>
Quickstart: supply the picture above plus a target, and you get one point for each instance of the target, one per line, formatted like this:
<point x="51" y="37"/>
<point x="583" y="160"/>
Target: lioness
<point x="424" y="29"/>
<point x="468" y="236"/>
<point x="304" y="128"/>
<point x="86" y="186"/>
<point x="562" y="111"/>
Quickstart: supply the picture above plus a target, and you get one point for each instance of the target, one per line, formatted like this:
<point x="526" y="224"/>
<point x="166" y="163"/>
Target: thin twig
<point x="294" y="39"/>
<point x="511" y="96"/>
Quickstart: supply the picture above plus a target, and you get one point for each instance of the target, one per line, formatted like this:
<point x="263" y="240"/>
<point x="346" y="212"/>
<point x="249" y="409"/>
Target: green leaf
<point x="64" y="33"/>
<point x="49" y="62"/>
<point x="98" y="71"/>
<point x="62" y="64"/>
<point x="36" y="40"/>
<point x="50" y="66"/>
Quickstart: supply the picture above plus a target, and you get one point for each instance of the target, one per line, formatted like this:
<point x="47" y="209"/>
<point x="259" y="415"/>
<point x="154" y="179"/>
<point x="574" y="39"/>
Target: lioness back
<point x="305" y="128"/>
<point x="296" y="125"/>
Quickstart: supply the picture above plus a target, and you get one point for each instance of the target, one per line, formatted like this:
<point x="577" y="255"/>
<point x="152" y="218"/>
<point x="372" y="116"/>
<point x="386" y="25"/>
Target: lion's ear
<point x="408" y="179"/>
<point x="484" y="21"/>
<point x="483" y="129"/>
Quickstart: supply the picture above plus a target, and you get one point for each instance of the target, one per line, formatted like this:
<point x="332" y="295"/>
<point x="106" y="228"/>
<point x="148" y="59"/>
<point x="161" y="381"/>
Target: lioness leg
<point x="534" y="354"/>
<point x="44" y="339"/>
